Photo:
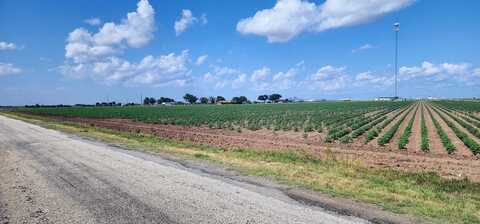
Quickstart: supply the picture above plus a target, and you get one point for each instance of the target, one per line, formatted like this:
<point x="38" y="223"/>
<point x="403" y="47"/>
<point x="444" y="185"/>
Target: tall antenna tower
<point x="396" y="28"/>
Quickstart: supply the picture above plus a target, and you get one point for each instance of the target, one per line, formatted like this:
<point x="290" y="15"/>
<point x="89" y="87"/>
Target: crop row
<point x="373" y="133"/>
<point x="474" y="131"/>
<point x="447" y="143"/>
<point x="424" y="146"/>
<point x="470" y="143"/>
<point x="403" y="141"/>
<point x="293" y="116"/>
<point x="343" y="132"/>
<point x="391" y="132"/>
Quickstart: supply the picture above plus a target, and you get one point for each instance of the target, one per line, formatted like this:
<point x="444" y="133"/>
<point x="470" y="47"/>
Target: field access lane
<point x="51" y="177"/>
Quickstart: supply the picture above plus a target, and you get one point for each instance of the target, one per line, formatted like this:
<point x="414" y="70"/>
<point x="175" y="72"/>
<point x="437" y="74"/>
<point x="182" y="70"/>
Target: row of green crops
<point x="470" y="143"/>
<point x="373" y="133"/>
<point x="447" y="143"/>
<point x="388" y="135"/>
<point x="424" y="132"/>
<point x="474" y="131"/>
<point x="294" y="116"/>
<point x="403" y="141"/>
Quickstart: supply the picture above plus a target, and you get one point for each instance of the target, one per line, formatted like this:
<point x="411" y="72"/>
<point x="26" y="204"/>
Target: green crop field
<point x="333" y="116"/>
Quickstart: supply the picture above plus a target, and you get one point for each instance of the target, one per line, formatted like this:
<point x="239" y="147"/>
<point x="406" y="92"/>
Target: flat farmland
<point x="438" y="136"/>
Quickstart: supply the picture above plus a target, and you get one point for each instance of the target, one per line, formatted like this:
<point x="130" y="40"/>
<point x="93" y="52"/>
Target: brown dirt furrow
<point x="461" y="148"/>
<point x="374" y="142"/>
<point x="393" y="145"/>
<point x="473" y="137"/>
<point x="435" y="144"/>
<point x="415" y="139"/>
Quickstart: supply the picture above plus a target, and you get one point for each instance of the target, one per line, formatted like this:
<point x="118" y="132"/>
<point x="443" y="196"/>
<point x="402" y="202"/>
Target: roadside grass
<point x="421" y="194"/>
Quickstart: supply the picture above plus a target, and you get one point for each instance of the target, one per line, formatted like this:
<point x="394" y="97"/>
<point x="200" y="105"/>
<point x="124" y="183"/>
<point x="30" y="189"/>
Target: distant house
<point x="221" y="102"/>
<point x="386" y="98"/>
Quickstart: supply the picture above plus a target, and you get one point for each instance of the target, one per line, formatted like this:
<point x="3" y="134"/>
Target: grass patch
<point x="420" y="194"/>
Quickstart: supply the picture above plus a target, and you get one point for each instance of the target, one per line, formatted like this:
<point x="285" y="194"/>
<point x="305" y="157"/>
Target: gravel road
<point x="50" y="177"/>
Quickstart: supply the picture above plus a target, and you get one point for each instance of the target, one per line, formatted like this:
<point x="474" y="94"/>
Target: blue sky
<point x="69" y="52"/>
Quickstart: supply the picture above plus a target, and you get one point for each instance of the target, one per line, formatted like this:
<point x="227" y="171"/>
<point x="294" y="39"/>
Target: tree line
<point x="192" y="99"/>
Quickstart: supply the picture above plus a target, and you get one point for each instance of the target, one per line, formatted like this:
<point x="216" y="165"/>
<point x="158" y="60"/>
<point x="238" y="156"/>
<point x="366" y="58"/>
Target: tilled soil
<point x="435" y="144"/>
<point x="415" y="139"/>
<point x="459" y="165"/>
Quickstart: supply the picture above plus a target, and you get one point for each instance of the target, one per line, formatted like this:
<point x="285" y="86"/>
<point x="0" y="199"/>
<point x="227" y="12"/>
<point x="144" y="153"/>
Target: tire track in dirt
<point x="393" y="145"/>
<point x="415" y="138"/>
<point x="434" y="142"/>
<point x="461" y="149"/>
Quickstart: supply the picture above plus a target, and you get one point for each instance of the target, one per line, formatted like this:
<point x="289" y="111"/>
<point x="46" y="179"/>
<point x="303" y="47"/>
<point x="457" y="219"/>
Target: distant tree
<point x="149" y="101"/>
<point x="239" y="100"/>
<point x="165" y="100"/>
<point x="220" y="98"/>
<point x="152" y="101"/>
<point x="190" y="98"/>
<point x="274" y="97"/>
<point x="203" y="100"/>
<point x="211" y="100"/>
<point x="263" y="98"/>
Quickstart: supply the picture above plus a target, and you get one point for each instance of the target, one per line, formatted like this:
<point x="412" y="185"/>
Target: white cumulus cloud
<point x="260" y="74"/>
<point x="362" y="48"/>
<point x="98" y="55"/>
<point x="427" y="69"/>
<point x="7" y="46"/>
<point x="186" y="20"/>
<point x="93" y="21"/>
<point x="289" y="18"/>
<point x="201" y="59"/>
<point x="8" y="69"/>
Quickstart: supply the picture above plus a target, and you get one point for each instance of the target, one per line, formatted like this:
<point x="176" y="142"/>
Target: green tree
<point x="220" y="98"/>
<point x="203" y="100"/>
<point x="239" y="100"/>
<point x="190" y="98"/>
<point x="274" y="97"/>
<point x="263" y="98"/>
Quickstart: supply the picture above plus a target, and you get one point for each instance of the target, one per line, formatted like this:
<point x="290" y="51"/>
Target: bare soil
<point x="451" y="166"/>
<point x="435" y="144"/>
<point x="416" y="138"/>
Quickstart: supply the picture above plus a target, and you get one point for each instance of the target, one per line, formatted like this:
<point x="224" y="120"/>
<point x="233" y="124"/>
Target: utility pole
<point x="396" y="28"/>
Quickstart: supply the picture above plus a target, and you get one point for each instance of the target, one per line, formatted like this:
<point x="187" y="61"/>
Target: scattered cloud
<point x="289" y="18"/>
<point x="8" y="69"/>
<point x="7" y="46"/>
<point x="260" y="74"/>
<point x="93" y="21"/>
<point x="477" y="72"/>
<point x="201" y="59"/>
<point x="369" y="79"/>
<point x="222" y="77"/>
<point x="97" y="55"/>
<point x="327" y="78"/>
<point x="362" y="48"/>
<point x="428" y="69"/>
<point x="186" y="20"/>
<point x="136" y="30"/>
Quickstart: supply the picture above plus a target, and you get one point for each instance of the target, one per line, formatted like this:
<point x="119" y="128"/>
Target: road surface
<point x="50" y="177"/>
